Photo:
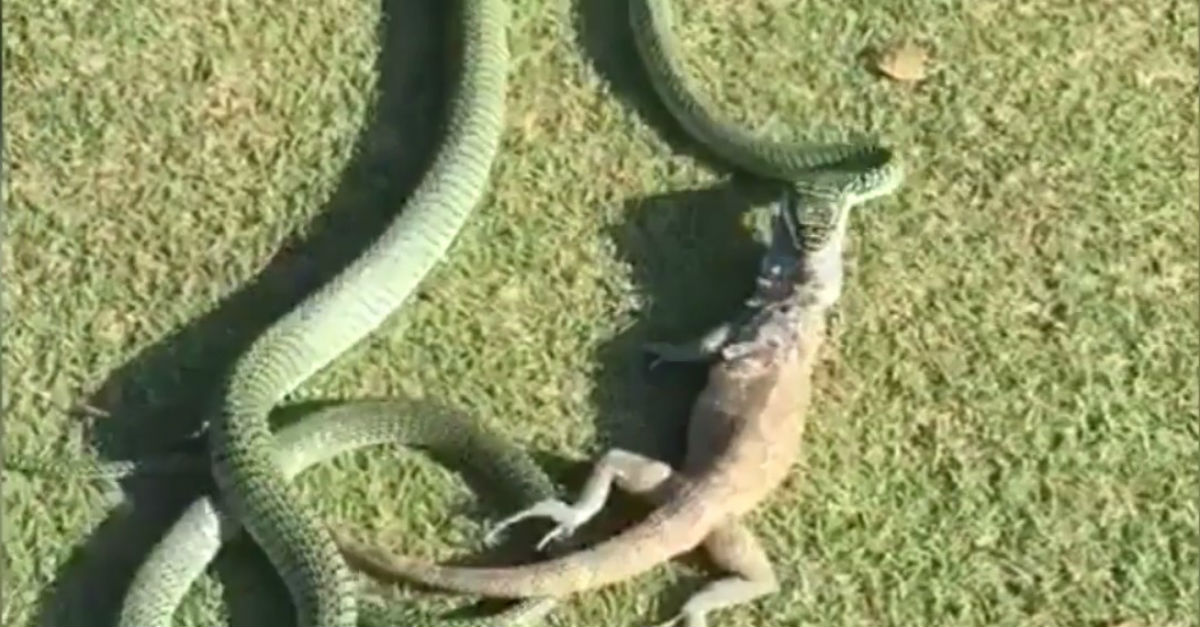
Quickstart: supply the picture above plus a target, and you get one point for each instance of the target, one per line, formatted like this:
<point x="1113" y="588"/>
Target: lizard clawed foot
<point x="663" y="352"/>
<point x="702" y="349"/>
<point x="657" y="352"/>
<point x="567" y="517"/>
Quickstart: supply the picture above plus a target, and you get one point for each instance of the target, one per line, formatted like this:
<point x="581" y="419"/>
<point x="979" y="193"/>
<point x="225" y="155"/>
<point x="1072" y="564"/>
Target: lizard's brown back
<point x="750" y="450"/>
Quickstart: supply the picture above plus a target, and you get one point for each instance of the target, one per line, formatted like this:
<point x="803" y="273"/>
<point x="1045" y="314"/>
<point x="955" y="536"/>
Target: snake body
<point x="190" y="544"/>
<point x="254" y="490"/>
<point x="865" y="165"/>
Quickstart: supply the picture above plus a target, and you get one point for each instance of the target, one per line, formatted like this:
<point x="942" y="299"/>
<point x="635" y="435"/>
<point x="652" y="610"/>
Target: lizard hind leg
<point x="733" y="548"/>
<point x="633" y="473"/>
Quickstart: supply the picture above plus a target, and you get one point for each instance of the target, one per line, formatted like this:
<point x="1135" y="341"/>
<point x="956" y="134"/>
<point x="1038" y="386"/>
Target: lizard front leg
<point x="733" y="548"/>
<point x="704" y="348"/>
<point x="633" y="473"/>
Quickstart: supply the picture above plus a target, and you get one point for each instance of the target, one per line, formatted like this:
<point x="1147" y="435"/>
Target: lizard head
<point x="780" y="267"/>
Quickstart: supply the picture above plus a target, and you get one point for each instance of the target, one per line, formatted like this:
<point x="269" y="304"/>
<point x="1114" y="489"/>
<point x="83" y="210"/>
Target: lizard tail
<point x="666" y="533"/>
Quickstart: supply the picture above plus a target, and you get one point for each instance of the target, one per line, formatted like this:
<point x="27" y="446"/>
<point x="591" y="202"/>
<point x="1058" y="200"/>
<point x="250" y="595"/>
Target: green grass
<point x="1005" y="426"/>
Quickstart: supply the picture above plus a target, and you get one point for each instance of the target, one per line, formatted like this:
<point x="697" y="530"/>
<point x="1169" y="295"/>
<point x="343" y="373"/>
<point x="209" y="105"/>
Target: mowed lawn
<point x="1005" y="424"/>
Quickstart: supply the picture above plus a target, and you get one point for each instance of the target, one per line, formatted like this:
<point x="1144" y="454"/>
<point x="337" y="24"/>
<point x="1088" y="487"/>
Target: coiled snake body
<point x="253" y="489"/>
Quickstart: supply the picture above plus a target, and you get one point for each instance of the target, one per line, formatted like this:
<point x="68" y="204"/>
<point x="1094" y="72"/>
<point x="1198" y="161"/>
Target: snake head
<point x="823" y="199"/>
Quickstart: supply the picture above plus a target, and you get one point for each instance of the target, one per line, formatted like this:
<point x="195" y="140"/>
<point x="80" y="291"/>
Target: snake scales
<point x="252" y="466"/>
<point x="177" y="560"/>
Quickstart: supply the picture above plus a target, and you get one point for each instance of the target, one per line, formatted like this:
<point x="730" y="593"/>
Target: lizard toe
<point x="553" y="509"/>
<point x="558" y="533"/>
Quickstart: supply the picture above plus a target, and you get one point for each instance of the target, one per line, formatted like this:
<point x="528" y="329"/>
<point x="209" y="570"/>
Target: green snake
<point x="181" y="556"/>
<point x="253" y="489"/>
<point x="190" y="545"/>
<point x="249" y="464"/>
<point x="865" y="167"/>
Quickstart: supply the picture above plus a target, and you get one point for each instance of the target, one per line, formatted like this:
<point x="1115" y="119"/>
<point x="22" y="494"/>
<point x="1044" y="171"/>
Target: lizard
<point x="744" y="434"/>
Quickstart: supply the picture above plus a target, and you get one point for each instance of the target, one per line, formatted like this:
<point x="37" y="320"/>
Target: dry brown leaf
<point x="904" y="62"/>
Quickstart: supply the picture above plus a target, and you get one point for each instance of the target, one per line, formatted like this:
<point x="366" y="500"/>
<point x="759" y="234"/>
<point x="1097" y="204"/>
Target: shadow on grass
<point x="691" y="256"/>
<point x="693" y="263"/>
<point x="160" y="396"/>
